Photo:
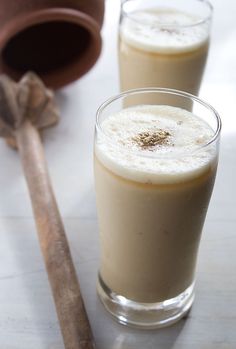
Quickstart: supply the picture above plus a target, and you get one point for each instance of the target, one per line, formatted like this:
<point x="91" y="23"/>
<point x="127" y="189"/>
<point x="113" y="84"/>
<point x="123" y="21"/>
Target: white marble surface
<point x="27" y="314"/>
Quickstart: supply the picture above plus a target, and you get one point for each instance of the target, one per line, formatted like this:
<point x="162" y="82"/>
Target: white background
<point x="27" y="314"/>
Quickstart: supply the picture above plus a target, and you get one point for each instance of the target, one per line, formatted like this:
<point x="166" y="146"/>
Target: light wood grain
<point x="28" y="315"/>
<point x="26" y="107"/>
<point x="55" y="249"/>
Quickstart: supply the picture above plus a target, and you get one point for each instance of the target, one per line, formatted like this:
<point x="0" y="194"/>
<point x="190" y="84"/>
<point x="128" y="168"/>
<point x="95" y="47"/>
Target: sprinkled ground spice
<point x="149" y="140"/>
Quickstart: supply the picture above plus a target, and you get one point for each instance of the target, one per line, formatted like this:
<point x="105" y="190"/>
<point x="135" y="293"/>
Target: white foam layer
<point x="164" y="30"/>
<point x="182" y="158"/>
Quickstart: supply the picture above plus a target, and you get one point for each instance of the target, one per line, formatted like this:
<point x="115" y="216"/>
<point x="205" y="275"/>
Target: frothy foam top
<point x="155" y="144"/>
<point x="164" y="30"/>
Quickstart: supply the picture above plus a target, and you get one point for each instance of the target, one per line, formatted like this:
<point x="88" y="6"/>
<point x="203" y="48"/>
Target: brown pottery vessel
<point x="58" y="39"/>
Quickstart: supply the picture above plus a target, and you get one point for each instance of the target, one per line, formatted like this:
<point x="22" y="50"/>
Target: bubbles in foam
<point x="178" y="159"/>
<point x="164" y="30"/>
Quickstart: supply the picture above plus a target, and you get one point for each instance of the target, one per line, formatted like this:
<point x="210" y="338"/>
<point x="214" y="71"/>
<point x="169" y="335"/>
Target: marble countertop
<point x="27" y="314"/>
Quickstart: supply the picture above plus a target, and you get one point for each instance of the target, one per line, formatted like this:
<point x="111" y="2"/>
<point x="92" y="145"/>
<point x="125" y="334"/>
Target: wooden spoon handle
<point x="72" y="316"/>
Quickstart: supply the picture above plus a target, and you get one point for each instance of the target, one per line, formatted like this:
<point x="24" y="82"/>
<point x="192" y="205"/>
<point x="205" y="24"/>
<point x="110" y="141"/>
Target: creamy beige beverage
<point x="153" y="186"/>
<point x="162" y="48"/>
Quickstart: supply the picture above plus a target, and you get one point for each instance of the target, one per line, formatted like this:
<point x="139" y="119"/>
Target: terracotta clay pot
<point x="58" y="39"/>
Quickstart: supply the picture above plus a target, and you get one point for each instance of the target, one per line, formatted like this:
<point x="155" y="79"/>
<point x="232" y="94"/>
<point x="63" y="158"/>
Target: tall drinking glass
<point x="163" y="43"/>
<point x="155" y="167"/>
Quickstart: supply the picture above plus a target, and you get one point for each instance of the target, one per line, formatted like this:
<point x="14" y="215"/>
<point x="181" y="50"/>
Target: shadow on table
<point x="152" y="339"/>
<point x="109" y="334"/>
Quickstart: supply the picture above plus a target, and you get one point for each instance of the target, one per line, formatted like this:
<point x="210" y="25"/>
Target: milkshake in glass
<point x="155" y="167"/>
<point x="163" y="43"/>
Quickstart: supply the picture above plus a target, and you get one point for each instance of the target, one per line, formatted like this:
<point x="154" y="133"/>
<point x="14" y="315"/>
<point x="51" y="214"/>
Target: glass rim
<point x="169" y="25"/>
<point x="154" y="155"/>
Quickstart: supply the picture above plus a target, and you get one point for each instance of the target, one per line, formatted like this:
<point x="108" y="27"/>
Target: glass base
<point x="145" y="315"/>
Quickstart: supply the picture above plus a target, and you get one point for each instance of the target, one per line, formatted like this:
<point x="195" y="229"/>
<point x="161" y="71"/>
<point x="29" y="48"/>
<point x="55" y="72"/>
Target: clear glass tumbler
<point x="155" y="167"/>
<point x="163" y="43"/>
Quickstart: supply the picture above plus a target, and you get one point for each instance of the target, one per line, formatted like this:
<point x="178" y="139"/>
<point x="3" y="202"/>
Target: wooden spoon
<point x="26" y="107"/>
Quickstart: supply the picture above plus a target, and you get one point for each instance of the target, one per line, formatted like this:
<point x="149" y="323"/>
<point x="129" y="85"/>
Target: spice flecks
<point x="150" y="139"/>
